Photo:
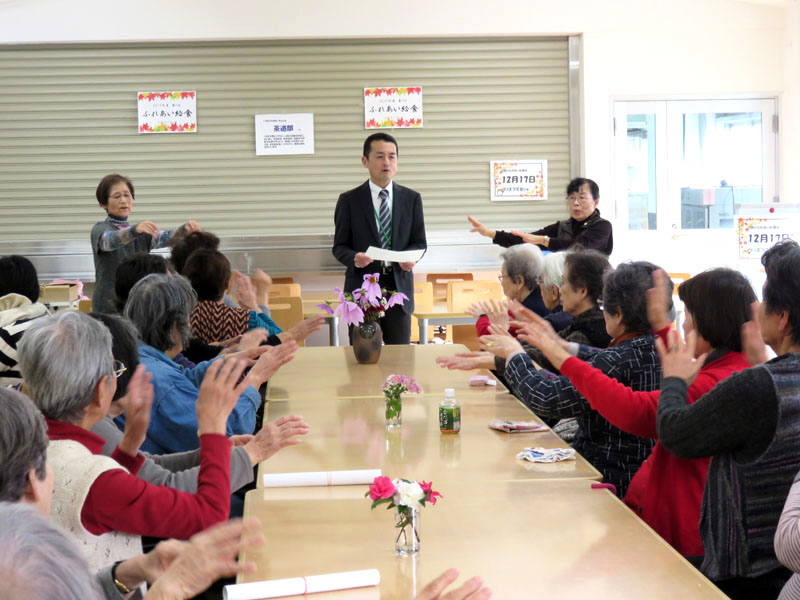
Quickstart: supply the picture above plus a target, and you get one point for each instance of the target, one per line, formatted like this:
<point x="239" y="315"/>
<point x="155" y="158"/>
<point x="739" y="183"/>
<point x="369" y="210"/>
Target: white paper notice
<point x="357" y="477"/>
<point x="299" y="586"/>
<point x="285" y="134"/>
<point x="394" y="256"/>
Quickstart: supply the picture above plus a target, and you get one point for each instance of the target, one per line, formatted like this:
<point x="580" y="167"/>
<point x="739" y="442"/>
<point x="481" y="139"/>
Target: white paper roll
<point x="321" y="478"/>
<point x="297" y="586"/>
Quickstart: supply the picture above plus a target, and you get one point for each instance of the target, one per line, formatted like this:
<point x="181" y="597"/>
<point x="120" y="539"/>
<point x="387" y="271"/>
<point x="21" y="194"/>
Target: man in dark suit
<point x="383" y="214"/>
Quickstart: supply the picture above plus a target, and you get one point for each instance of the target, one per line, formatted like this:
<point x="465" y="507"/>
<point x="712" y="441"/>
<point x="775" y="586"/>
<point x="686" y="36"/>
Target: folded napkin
<point x="299" y="586"/>
<point x="479" y="380"/>
<point x="547" y="455"/>
<point x="321" y="478"/>
<point x="516" y="426"/>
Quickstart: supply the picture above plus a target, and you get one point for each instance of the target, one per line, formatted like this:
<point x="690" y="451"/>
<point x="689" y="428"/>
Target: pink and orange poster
<point x="167" y="112"/>
<point x="390" y="107"/>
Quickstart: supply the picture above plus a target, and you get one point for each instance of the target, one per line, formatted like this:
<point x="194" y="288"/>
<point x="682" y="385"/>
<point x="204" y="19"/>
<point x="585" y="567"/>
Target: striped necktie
<point x="385" y="216"/>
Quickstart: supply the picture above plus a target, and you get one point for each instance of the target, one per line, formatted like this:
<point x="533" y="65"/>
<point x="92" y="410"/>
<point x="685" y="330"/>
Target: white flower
<point x="408" y="494"/>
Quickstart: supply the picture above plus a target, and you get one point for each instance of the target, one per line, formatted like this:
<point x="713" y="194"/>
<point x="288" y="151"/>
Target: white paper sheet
<point x="394" y="256"/>
<point x="298" y="586"/>
<point x="363" y="476"/>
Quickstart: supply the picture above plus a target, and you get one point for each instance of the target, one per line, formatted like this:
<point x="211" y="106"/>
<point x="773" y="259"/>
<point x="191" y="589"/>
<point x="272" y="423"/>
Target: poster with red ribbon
<point x="390" y="107"/>
<point x="167" y="112"/>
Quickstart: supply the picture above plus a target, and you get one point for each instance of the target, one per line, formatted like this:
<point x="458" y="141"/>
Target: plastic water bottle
<point x="449" y="413"/>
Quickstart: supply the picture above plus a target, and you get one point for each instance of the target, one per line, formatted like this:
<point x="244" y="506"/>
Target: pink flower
<point x="326" y="306"/>
<point x="350" y="313"/>
<point x="430" y="495"/>
<point x="381" y="488"/>
<point x="396" y="299"/>
<point x="371" y="288"/>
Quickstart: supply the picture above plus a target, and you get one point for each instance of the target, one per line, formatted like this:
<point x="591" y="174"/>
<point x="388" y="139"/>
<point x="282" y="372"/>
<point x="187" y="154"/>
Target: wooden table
<point x="440" y="318"/>
<point x="350" y="433"/>
<point x="529" y="539"/>
<point x="326" y="373"/>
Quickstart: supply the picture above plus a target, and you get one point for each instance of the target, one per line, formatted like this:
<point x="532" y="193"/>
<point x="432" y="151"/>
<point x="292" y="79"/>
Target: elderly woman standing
<point x="584" y="228"/>
<point x="70" y="374"/>
<point x="114" y="238"/>
<point x="19" y="309"/>
<point x="159" y="307"/>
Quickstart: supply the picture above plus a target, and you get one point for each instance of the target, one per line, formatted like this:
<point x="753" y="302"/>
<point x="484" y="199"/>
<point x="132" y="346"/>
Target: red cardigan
<point x="120" y="501"/>
<point x="666" y="491"/>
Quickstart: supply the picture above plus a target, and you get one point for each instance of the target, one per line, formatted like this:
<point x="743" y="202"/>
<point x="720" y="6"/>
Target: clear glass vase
<point x="407" y="540"/>
<point x="394" y="410"/>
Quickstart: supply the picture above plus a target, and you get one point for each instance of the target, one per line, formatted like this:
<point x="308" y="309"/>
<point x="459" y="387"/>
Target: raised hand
<point x="270" y="361"/>
<point x="677" y="360"/>
<point x="263" y="282"/>
<point x="243" y="291"/>
<point x="137" y="402"/>
<point x="147" y="227"/>
<point x="472" y="589"/>
<point x="480" y="228"/>
<point x="306" y="327"/>
<point x="208" y="556"/>
<point x="753" y="344"/>
<point x="657" y="301"/>
<point x="218" y="395"/>
<point x="191" y="226"/>
<point x="498" y="313"/>
<point x="275" y="436"/>
<point x="499" y="343"/>
<point x="252" y="339"/>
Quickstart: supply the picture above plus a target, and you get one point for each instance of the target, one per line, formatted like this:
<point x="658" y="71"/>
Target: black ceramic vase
<point x="367" y="339"/>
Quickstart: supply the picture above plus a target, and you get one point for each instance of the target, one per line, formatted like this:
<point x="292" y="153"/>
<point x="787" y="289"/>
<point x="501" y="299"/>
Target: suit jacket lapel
<point x="369" y="210"/>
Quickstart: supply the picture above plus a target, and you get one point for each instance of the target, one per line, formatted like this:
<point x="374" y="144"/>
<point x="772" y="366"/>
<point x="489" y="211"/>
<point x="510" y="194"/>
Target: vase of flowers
<point x="393" y="389"/>
<point x="408" y="498"/>
<point x="361" y="310"/>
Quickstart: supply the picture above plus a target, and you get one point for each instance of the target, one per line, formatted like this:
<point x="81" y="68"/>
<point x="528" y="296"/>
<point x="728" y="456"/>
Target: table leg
<point x="334" y="330"/>
<point x="423" y="331"/>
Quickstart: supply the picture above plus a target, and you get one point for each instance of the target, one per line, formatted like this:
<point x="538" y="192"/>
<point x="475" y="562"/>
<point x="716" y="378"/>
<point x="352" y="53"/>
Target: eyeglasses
<point x="119" y="368"/>
<point x="580" y="199"/>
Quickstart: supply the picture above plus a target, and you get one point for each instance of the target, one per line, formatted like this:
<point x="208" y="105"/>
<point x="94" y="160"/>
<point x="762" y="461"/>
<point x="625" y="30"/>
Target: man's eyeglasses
<point x="119" y="368"/>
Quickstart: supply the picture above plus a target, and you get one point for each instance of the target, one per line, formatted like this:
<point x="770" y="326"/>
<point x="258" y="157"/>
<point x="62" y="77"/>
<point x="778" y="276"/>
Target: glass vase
<point x="407" y="540"/>
<point x="394" y="410"/>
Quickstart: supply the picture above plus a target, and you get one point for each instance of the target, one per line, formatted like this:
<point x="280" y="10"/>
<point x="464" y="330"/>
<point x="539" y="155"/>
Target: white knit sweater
<point x="75" y="469"/>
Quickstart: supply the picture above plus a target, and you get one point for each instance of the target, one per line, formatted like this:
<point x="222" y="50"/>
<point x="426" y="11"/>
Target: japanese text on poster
<point x="167" y="112"/>
<point x="285" y="134"/>
<point x="759" y="234"/>
<point x="518" y="179"/>
<point x="387" y="107"/>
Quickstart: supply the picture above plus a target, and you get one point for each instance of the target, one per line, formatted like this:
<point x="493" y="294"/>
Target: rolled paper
<point x="358" y="477"/>
<point x="298" y="586"/>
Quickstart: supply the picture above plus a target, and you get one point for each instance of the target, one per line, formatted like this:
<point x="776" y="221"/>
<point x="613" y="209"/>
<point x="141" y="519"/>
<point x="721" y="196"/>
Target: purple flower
<point x="326" y="306"/>
<point x="396" y="299"/>
<point x="371" y="288"/>
<point x="350" y="313"/>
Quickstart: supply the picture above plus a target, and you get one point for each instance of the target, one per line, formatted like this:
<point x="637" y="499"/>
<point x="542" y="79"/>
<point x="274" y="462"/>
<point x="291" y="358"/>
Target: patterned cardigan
<point x="616" y="454"/>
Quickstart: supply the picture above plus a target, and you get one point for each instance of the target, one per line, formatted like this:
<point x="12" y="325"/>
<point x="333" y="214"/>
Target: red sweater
<point x="666" y="491"/>
<point x="120" y="501"/>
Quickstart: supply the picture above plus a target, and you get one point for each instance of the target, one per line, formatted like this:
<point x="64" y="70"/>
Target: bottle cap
<point x="449" y="393"/>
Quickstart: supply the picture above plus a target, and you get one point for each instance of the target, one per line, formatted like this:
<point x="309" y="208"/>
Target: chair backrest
<point x="440" y="281"/>
<point x="286" y="311"/>
<point x="460" y="294"/>
<point x="677" y="279"/>
<point x="423" y="302"/>
<point x="284" y="289"/>
<point x="283" y="280"/>
<point x="85" y="305"/>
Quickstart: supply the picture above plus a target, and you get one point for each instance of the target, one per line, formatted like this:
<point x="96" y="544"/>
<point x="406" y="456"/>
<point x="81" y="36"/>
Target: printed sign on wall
<point x="167" y="112"/>
<point x="285" y="134"/>
<point x="759" y="234"/>
<point x="388" y="107"/>
<point x="518" y="179"/>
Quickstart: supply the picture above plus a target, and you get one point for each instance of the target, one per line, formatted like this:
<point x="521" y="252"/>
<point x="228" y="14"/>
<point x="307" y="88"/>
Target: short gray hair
<point x="553" y="271"/>
<point x="62" y="359"/>
<point x="38" y="561"/>
<point x="524" y="260"/>
<point x="158" y="304"/>
<point x="23" y="444"/>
